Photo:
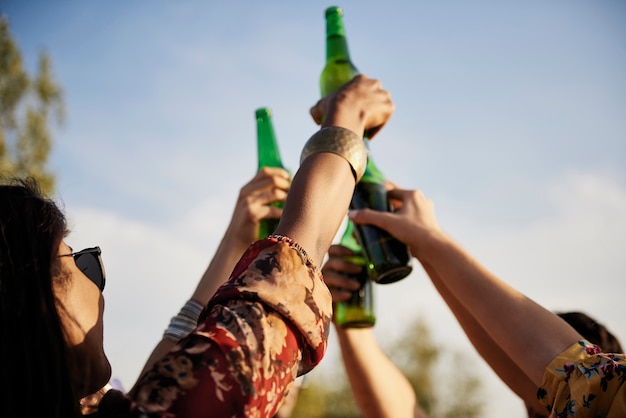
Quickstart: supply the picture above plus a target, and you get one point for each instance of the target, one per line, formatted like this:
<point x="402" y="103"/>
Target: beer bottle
<point x="339" y="69"/>
<point x="388" y="260"/>
<point x="358" y="311"/>
<point x="268" y="156"/>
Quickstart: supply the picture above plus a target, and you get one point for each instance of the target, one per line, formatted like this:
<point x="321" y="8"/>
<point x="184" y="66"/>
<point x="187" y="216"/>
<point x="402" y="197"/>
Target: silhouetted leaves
<point x="26" y="105"/>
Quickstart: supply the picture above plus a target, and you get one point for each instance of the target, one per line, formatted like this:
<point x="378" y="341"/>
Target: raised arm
<point x="529" y="334"/>
<point x="379" y="387"/>
<point x="500" y="362"/>
<point x="317" y="204"/>
<point x="268" y="185"/>
<point x="269" y="322"/>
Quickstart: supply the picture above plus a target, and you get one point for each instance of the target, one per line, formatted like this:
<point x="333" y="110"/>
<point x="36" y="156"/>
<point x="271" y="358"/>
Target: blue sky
<point x="511" y="116"/>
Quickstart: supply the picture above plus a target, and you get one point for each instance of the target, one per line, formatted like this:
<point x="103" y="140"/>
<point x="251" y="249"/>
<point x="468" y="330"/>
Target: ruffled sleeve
<point x="267" y="324"/>
<point x="279" y="273"/>
<point x="584" y="382"/>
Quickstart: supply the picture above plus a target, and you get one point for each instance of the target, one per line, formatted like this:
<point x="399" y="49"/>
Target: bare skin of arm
<point x="498" y="360"/>
<point x="380" y="389"/>
<point x="530" y="335"/>
<point x="317" y="203"/>
<point x="267" y="186"/>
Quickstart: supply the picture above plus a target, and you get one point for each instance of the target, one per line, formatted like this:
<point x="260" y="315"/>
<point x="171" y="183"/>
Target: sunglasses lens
<point x="89" y="264"/>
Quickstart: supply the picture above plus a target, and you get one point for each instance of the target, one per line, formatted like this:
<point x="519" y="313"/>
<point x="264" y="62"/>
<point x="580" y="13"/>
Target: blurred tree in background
<point x="26" y="105"/>
<point x="443" y="385"/>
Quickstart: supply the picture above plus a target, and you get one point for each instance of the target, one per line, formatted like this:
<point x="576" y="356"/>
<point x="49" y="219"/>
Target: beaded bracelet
<point x="294" y="245"/>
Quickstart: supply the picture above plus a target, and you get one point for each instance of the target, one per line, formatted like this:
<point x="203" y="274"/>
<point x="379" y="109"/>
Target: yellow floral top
<point x="584" y="382"/>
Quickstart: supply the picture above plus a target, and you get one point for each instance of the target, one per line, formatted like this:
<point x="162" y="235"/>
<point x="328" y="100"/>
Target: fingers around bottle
<point x="401" y="194"/>
<point x="272" y="212"/>
<point x="274" y="175"/>
<point x="273" y="171"/>
<point x="337" y="250"/>
<point x="341" y="265"/>
<point x="318" y="111"/>
<point x="339" y="295"/>
<point x="366" y="216"/>
<point x="263" y="184"/>
<point x="340" y="285"/>
<point x="390" y="185"/>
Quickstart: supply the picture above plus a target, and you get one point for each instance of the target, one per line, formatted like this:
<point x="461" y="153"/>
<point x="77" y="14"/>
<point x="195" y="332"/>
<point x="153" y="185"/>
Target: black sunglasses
<point x="90" y="263"/>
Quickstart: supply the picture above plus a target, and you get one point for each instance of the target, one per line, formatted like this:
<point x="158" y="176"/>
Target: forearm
<point x="180" y="326"/>
<point x="228" y="253"/>
<point x="314" y="210"/>
<point x="498" y="360"/>
<point x="380" y="389"/>
<point x="261" y="328"/>
<point x="219" y="269"/>
<point x="317" y="204"/>
<point x="531" y="335"/>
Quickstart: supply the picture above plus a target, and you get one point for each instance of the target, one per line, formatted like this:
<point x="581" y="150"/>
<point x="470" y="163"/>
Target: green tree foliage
<point x="326" y="395"/>
<point x="443" y="385"/>
<point x="26" y="105"/>
<point x="416" y="354"/>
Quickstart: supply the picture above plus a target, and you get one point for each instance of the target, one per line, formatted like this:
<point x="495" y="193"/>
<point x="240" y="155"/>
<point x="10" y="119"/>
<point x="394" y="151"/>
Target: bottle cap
<point x="263" y="111"/>
<point x="334" y="10"/>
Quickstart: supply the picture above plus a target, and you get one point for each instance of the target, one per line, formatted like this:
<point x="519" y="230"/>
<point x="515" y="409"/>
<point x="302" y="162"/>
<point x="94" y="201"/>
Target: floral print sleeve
<point x="584" y="382"/>
<point x="266" y="325"/>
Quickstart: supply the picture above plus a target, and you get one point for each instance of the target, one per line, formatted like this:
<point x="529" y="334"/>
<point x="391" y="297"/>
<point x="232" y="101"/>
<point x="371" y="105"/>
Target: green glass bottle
<point x="358" y="311"/>
<point x="388" y="259"/>
<point x="339" y="68"/>
<point x="268" y="156"/>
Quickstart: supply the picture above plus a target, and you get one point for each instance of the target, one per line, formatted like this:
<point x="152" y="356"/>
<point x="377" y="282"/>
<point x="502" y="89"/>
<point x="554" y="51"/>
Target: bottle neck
<point x="372" y="173"/>
<point x="348" y="240"/>
<point x="336" y="41"/>
<point x="267" y="146"/>
<point x="337" y="48"/>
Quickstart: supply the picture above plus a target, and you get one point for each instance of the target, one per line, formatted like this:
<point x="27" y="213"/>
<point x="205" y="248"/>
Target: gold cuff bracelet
<point x="342" y="142"/>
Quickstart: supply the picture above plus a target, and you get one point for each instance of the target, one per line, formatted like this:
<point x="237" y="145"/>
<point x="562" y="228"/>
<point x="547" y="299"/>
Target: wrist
<point x="339" y="141"/>
<point x="341" y="114"/>
<point x="353" y="124"/>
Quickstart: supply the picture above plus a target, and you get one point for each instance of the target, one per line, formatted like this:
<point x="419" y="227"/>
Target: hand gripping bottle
<point x="388" y="260"/>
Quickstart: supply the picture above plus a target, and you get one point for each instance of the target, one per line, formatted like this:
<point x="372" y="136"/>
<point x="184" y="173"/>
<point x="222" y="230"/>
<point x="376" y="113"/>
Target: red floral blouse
<point x="266" y="325"/>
